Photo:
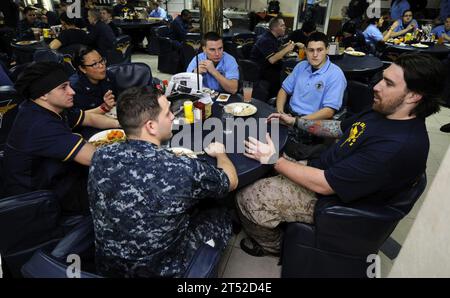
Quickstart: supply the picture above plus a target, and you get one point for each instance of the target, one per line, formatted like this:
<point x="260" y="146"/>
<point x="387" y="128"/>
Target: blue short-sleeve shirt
<point x="402" y="26"/>
<point x="39" y="146"/>
<point x="227" y="67"/>
<point x="398" y="7"/>
<point x="312" y="91"/>
<point x="158" y="13"/>
<point x="439" y="30"/>
<point x="372" y="34"/>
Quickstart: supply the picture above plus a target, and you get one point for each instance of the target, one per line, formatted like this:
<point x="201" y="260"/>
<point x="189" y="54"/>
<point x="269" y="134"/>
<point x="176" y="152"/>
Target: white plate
<point x="103" y="137"/>
<point x="180" y="151"/>
<point x="355" y="53"/>
<point x="420" y="45"/>
<point x="240" y="109"/>
<point x="26" y="42"/>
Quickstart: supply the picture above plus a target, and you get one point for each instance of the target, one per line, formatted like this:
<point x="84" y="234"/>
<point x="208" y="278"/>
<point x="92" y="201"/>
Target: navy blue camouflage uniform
<point x="143" y="202"/>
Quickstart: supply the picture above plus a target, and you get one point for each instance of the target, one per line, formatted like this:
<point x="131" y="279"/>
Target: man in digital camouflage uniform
<point x="143" y="197"/>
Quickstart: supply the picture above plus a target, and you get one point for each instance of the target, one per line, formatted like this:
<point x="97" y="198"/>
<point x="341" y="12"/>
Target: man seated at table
<point x="93" y="88"/>
<point x="379" y="153"/>
<point x="100" y="34"/>
<point x="443" y="31"/>
<point x="106" y="17"/>
<point x="268" y="53"/>
<point x="402" y="26"/>
<point x="181" y="26"/>
<point x="24" y="30"/>
<point x="316" y="85"/>
<point x="121" y="8"/>
<point x="351" y="38"/>
<point x="70" y="34"/>
<point x="302" y="34"/>
<point x="219" y="69"/>
<point x="143" y="197"/>
<point x="372" y="33"/>
<point x="41" y="151"/>
<point x="157" y="11"/>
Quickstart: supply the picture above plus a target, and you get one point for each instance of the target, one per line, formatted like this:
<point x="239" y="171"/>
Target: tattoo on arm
<point x="320" y="128"/>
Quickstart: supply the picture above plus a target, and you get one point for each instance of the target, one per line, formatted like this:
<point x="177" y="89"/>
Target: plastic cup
<point x="247" y="89"/>
<point x="188" y="111"/>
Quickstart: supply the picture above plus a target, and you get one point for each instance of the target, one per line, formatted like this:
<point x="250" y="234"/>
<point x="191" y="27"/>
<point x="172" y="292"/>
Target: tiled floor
<point x="236" y="263"/>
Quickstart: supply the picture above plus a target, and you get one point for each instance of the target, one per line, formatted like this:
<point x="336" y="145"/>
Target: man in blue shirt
<point x="316" y="86"/>
<point x="157" y="11"/>
<point x="443" y="30"/>
<point x="372" y="34"/>
<point x="25" y="26"/>
<point x="144" y="198"/>
<point x="219" y="69"/>
<point x="379" y="153"/>
<point x="41" y="146"/>
<point x="181" y="25"/>
<point x="398" y="7"/>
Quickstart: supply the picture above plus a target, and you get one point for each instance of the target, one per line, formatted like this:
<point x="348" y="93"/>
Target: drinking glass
<point x="247" y="89"/>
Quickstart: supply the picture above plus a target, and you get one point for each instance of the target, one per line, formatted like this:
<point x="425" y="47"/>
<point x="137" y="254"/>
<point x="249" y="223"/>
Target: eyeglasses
<point x="97" y="64"/>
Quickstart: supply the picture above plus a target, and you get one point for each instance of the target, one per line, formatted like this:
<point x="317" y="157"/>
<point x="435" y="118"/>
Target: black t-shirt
<point x="375" y="158"/>
<point x="102" y="37"/>
<point x="39" y="149"/>
<point x="119" y="10"/>
<point x="265" y="47"/>
<point x="298" y="36"/>
<point x="73" y="36"/>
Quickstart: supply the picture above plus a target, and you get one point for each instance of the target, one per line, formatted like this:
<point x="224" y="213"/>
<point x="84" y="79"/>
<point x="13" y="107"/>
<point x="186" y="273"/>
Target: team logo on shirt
<point x="5" y="106"/>
<point x="355" y="132"/>
<point x="319" y="85"/>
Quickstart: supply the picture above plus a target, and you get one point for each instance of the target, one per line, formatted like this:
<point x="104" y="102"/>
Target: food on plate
<point x="240" y="109"/>
<point x="112" y="136"/>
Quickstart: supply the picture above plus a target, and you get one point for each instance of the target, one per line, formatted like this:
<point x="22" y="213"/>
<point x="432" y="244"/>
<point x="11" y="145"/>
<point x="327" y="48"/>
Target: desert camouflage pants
<point x="263" y="205"/>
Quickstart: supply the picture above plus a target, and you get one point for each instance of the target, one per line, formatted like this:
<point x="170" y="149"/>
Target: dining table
<point x="440" y="51"/>
<point x="197" y="135"/>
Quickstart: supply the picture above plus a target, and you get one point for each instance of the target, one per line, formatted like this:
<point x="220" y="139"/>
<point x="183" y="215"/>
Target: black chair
<point x="155" y="32"/>
<point x="245" y="50"/>
<point x="287" y="67"/>
<point x="9" y="106"/>
<point x="359" y="97"/>
<point x="231" y="48"/>
<point x="250" y="71"/>
<point x="121" y="51"/>
<point x="128" y="75"/>
<point x="241" y="39"/>
<point x="169" y="56"/>
<point x="16" y="70"/>
<point x="51" y="263"/>
<point x="29" y="222"/>
<point x="193" y="39"/>
<point x="49" y="55"/>
<point x="261" y="28"/>
<point x="187" y="54"/>
<point x="71" y="49"/>
<point x="343" y="235"/>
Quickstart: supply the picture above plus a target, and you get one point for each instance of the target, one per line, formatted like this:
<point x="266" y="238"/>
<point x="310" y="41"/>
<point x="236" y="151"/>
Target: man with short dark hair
<point x="41" y="145"/>
<point x="379" y="153"/>
<point x="100" y="34"/>
<point x="219" y="69"/>
<point x="121" y="8"/>
<point x="443" y="31"/>
<point x="302" y="34"/>
<point x="30" y="21"/>
<point x="181" y="25"/>
<point x="144" y="197"/>
<point x="316" y="85"/>
<point x="268" y="52"/>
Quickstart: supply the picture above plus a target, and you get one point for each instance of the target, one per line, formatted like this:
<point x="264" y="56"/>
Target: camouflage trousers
<point x="263" y="205"/>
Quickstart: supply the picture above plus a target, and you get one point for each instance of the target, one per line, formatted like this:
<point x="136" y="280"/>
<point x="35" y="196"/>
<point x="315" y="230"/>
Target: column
<point x="211" y="16"/>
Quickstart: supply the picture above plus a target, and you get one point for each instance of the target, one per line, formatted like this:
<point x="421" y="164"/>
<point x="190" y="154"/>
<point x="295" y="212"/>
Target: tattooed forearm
<point x="320" y="128"/>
